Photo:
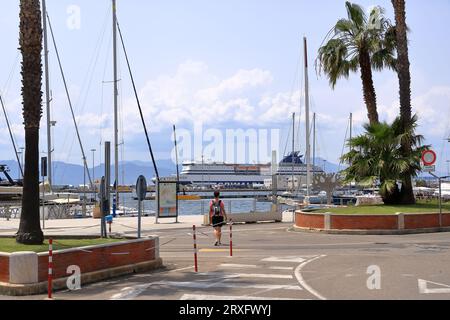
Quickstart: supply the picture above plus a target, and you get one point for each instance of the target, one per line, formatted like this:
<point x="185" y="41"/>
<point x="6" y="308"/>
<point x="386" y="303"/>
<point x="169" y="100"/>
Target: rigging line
<point x="11" y="134"/>
<point x="89" y="77"/>
<point x="343" y="147"/>
<point x="69" y="100"/>
<point x="139" y="104"/>
<point x="101" y="124"/>
<point x="287" y="141"/>
<point x="94" y="61"/>
<point x="7" y="84"/>
<point x="320" y="141"/>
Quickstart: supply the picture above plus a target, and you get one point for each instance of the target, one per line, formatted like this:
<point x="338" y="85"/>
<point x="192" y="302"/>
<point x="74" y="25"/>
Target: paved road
<point x="270" y="262"/>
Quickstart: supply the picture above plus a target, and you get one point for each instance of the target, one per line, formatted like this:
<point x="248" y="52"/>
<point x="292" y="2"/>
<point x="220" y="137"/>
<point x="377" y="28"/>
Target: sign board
<point x="429" y="168"/>
<point x="167" y="199"/>
<point x="141" y="188"/>
<point x="43" y="166"/>
<point x="429" y="158"/>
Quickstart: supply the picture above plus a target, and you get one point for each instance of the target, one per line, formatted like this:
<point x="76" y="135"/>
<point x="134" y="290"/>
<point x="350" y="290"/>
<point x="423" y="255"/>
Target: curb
<point x="370" y="232"/>
<point x="91" y="277"/>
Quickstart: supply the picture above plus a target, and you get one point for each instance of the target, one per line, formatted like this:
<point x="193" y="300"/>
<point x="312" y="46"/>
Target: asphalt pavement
<point x="271" y="262"/>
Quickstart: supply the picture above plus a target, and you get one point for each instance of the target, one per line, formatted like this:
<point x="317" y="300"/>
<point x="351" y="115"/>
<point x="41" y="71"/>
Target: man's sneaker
<point x="217" y="243"/>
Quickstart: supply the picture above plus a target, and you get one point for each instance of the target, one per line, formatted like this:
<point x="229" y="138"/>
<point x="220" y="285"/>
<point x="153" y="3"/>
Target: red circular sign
<point x="429" y="157"/>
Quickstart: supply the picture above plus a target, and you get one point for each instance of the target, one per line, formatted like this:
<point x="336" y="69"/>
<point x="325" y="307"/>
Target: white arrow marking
<point x="294" y="259"/>
<point x="423" y="287"/>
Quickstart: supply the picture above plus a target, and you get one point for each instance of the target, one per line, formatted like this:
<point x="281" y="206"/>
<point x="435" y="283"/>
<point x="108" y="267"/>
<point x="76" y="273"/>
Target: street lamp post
<point x="440" y="195"/>
<point x="93" y="169"/>
<point x="20" y="164"/>
<point x="84" y="190"/>
<point x="448" y="167"/>
<point x="22" y="149"/>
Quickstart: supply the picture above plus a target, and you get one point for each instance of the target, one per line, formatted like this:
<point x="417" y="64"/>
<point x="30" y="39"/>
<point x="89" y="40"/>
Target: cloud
<point x="433" y="109"/>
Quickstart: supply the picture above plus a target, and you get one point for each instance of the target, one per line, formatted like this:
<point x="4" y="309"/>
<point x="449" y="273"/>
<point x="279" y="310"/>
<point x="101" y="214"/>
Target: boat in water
<point x="243" y="175"/>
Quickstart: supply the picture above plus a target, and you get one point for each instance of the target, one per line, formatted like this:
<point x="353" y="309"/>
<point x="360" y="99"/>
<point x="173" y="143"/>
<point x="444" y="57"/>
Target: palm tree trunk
<point x="404" y="76"/>
<point x="370" y="97"/>
<point x="30" y="229"/>
<point x="31" y="47"/>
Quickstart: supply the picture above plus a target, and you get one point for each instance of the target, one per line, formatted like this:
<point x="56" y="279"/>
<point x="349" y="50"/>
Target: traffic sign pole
<point x="141" y="192"/>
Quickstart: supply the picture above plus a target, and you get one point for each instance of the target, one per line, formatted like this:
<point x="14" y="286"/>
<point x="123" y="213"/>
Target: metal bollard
<point x="195" y="249"/>
<point x="231" y="238"/>
<point x="50" y="268"/>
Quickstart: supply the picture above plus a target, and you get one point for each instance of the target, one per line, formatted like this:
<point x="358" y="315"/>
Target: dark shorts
<point x="217" y="221"/>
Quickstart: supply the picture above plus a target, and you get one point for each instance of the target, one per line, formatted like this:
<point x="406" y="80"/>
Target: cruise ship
<point x="198" y="173"/>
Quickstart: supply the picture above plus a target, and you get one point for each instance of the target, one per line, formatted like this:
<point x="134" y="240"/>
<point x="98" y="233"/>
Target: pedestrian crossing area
<point x="268" y="278"/>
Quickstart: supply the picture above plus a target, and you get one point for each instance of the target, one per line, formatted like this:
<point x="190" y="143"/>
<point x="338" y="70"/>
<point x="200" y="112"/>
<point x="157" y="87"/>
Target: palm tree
<point x="31" y="47"/>
<point x="404" y="77"/>
<point x="358" y="42"/>
<point x="377" y="156"/>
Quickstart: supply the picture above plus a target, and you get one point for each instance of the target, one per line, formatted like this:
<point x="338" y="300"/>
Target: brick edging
<point x="91" y="277"/>
<point x="369" y="232"/>
<point x="400" y="223"/>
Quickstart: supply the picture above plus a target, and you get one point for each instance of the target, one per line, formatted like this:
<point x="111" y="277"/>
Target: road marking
<point x="295" y="259"/>
<point x="220" y="250"/>
<point x="302" y="282"/>
<point x="281" y="268"/>
<point x="181" y="269"/>
<point x="204" y="285"/>
<point x="423" y="287"/>
<point x="243" y="266"/>
<point x="245" y="275"/>
<point x="129" y="293"/>
<point x="214" y="297"/>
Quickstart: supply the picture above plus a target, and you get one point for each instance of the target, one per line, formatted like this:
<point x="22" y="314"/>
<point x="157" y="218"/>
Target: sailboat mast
<point x="314" y="144"/>
<point x="116" y="126"/>
<point x="293" y="151"/>
<point x="308" y="146"/>
<point x="351" y="128"/>
<point x="176" y="152"/>
<point x="47" y="96"/>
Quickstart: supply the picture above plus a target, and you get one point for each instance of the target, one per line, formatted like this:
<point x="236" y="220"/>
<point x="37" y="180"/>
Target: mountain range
<point x="73" y="174"/>
<point x="129" y="171"/>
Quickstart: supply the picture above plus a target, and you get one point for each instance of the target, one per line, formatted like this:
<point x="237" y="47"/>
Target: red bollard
<point x="231" y="238"/>
<point x="50" y="268"/>
<point x="195" y="250"/>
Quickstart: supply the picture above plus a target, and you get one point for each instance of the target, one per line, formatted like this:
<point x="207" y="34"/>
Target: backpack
<point x="217" y="208"/>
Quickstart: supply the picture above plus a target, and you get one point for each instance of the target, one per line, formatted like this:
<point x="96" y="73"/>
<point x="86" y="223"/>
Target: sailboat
<point x="295" y="164"/>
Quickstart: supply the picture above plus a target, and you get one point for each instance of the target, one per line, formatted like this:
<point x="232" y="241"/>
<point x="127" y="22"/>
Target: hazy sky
<point x="231" y="64"/>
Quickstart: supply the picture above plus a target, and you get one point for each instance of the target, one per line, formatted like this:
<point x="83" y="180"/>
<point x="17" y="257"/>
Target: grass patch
<point x="420" y="207"/>
<point x="10" y="245"/>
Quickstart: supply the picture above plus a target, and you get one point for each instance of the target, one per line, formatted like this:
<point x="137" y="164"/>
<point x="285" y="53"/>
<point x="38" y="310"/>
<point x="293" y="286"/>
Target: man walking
<point x="218" y="216"/>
